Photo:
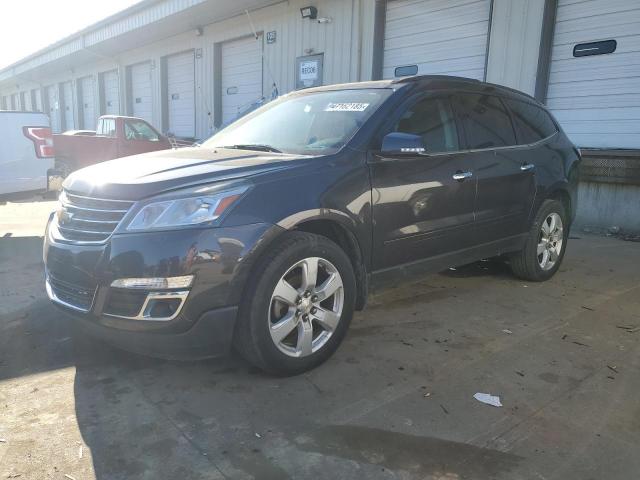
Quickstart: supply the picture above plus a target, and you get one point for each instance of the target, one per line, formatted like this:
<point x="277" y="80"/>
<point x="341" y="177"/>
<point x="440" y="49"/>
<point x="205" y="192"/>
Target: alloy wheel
<point x="550" y="241"/>
<point x="306" y="306"/>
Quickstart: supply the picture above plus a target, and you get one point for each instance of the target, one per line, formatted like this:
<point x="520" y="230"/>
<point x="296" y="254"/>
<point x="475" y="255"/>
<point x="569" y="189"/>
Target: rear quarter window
<point x="486" y="121"/>
<point x="532" y="123"/>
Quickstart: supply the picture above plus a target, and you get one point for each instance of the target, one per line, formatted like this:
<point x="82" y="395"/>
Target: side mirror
<point x="397" y="142"/>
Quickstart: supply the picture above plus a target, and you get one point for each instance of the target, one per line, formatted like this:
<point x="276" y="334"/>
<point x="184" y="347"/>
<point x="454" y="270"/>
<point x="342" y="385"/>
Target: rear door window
<point x="485" y="120"/>
<point x="106" y="127"/>
<point x="432" y="119"/>
<point x="532" y="122"/>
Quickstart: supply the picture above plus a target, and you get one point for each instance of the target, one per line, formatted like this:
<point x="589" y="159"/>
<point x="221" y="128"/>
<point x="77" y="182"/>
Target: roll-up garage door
<point x="25" y="99"/>
<point x="15" y="101"/>
<point x="37" y="99"/>
<point x="595" y="95"/>
<point x="87" y="103"/>
<point x="241" y="76"/>
<point x="53" y="106"/>
<point x="141" y="99"/>
<point x="436" y="37"/>
<point x="181" y="106"/>
<point x="67" y="105"/>
<point x="111" y="89"/>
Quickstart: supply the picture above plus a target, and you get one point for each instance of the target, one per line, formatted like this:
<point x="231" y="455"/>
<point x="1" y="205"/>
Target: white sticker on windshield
<point x="346" y="107"/>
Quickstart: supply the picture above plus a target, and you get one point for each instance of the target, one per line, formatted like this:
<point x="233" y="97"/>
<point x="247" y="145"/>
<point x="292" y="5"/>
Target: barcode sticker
<point x="346" y="107"/>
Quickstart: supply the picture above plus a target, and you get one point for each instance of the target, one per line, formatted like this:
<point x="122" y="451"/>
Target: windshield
<point x="318" y="123"/>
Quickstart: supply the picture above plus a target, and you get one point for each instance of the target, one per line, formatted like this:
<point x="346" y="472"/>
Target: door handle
<point x="461" y="176"/>
<point x="527" y="166"/>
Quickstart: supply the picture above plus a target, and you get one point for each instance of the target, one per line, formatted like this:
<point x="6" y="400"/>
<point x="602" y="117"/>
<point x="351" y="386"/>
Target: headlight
<point x="184" y="211"/>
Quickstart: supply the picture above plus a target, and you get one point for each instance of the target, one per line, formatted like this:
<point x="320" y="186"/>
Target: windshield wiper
<point x="257" y="147"/>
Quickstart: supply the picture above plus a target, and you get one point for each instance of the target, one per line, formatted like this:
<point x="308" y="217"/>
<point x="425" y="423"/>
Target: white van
<point x="26" y="152"/>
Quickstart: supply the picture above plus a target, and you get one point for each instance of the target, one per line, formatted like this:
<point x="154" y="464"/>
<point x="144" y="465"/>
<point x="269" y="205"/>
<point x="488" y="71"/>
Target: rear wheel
<point x="545" y="246"/>
<point x="298" y="307"/>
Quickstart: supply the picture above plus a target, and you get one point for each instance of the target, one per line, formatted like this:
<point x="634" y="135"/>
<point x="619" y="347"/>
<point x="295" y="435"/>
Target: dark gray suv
<point x="268" y="236"/>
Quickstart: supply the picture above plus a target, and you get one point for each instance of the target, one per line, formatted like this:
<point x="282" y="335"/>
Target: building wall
<point x="346" y="41"/>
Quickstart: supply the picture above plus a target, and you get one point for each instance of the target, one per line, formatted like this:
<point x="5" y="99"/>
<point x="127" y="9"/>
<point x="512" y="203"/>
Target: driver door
<point x="423" y="203"/>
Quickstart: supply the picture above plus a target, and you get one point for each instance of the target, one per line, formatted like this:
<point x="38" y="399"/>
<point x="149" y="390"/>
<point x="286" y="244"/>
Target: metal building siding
<point x="25" y="100"/>
<point x="181" y="107"/>
<point x="439" y="36"/>
<point x="241" y="76"/>
<point x="597" y="98"/>
<point x="67" y="104"/>
<point x="87" y="103"/>
<point x="111" y="89"/>
<point x="53" y="108"/>
<point x="141" y="93"/>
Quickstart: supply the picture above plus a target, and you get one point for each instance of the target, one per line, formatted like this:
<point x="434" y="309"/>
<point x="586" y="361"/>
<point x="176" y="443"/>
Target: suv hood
<point x="140" y="176"/>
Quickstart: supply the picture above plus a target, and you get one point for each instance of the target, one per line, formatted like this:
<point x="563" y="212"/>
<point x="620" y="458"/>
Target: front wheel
<point x="298" y="306"/>
<point x="545" y="246"/>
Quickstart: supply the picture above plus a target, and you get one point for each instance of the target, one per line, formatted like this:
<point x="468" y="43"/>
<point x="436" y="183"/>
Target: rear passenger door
<point x="422" y="203"/>
<point x="505" y="178"/>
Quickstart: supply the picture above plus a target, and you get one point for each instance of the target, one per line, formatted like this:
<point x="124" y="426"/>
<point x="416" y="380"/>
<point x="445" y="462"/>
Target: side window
<point x="106" y="127"/>
<point x="486" y="122"/>
<point x="138" y="130"/>
<point x="432" y="119"/>
<point x="532" y="122"/>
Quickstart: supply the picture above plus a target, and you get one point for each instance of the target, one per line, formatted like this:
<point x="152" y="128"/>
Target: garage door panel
<point x="613" y="86"/>
<point x="591" y="8"/>
<point x="599" y="73"/>
<point x="597" y="102"/>
<point x="628" y="141"/>
<point x="567" y="31"/>
<point x="141" y="101"/>
<point x="440" y="37"/>
<point x="443" y="67"/>
<point x="241" y="82"/>
<point x="181" y="94"/>
<point x="476" y="35"/>
<point x="597" y="98"/>
<point x="111" y="87"/>
<point x="596" y="115"/>
<point x="87" y="103"/>
<point x="625" y="43"/>
<point x="435" y="23"/>
<point x="67" y="104"/>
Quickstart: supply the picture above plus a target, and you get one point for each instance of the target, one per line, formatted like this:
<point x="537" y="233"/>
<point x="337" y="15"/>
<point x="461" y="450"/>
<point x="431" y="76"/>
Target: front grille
<point x="85" y="219"/>
<point x="73" y="294"/>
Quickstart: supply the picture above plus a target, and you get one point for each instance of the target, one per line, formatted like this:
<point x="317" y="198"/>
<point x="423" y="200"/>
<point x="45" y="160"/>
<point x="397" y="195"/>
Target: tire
<point x="265" y="316"/>
<point x="528" y="264"/>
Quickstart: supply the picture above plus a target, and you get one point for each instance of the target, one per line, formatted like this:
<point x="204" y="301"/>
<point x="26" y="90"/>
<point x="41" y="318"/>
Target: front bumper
<point x="210" y="336"/>
<point x="220" y="260"/>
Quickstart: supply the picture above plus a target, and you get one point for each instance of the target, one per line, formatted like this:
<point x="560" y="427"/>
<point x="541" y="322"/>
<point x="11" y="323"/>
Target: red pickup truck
<point x="115" y="137"/>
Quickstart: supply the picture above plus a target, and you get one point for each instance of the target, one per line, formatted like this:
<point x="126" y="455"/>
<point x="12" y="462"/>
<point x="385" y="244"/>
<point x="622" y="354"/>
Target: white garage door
<point x="53" y="107"/>
<point x="141" y="105"/>
<point x="241" y="76"/>
<point x="439" y="37"/>
<point x="25" y="98"/>
<point x="111" y="89"/>
<point x="596" y="98"/>
<point x="37" y="99"/>
<point x="87" y="103"/>
<point x="67" y="104"/>
<point x="15" y="101"/>
<point x="181" y="95"/>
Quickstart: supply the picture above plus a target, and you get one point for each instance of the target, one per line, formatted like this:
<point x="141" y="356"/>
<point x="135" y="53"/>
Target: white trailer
<point x="26" y="152"/>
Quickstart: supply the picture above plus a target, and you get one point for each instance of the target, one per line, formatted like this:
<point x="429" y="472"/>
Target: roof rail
<point x="418" y="78"/>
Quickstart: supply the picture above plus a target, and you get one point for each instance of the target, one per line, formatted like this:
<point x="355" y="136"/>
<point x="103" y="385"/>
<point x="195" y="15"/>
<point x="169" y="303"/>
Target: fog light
<point x="154" y="283"/>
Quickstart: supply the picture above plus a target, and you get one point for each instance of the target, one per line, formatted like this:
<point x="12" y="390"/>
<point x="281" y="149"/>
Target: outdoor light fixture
<point x="309" y="12"/>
